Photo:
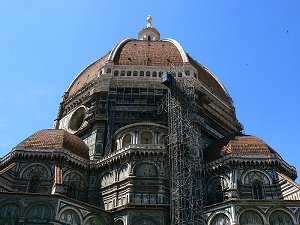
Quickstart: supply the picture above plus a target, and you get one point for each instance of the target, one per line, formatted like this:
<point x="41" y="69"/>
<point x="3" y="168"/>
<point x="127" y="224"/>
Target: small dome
<point x="238" y="144"/>
<point x="53" y="138"/>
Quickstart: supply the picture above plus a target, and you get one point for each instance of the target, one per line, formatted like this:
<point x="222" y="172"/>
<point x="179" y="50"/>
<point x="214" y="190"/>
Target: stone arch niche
<point x="34" y="174"/>
<point x="146" y="170"/>
<point x="70" y="216"/>
<point x="257" y="181"/>
<point x="216" y="189"/>
<point x="126" y="140"/>
<point x="146" y="137"/>
<point x="76" y="185"/>
<point x="280" y="217"/>
<point x="9" y="213"/>
<point x="250" y="217"/>
<point x="220" y="219"/>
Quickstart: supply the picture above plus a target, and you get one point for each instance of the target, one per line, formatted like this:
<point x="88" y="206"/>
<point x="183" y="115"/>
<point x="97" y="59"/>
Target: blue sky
<point x="253" y="47"/>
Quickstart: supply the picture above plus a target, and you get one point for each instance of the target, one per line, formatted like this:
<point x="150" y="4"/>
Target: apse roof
<point x="55" y="138"/>
<point x="238" y="144"/>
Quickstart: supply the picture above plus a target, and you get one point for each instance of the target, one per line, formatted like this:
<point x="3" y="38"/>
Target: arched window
<point x="34" y="184"/>
<point x="146" y="138"/>
<point x="154" y="74"/>
<point x="257" y="190"/>
<point x="148" y="74"/>
<point x="135" y="73"/>
<point x="116" y="73"/>
<point x="73" y="190"/>
<point x="250" y="218"/>
<point x="141" y="73"/>
<point x="129" y="73"/>
<point x="216" y="190"/>
<point x="280" y="217"/>
<point x="220" y="219"/>
<point x="219" y="194"/>
<point x="108" y="70"/>
<point x="122" y="73"/>
<point x="126" y="140"/>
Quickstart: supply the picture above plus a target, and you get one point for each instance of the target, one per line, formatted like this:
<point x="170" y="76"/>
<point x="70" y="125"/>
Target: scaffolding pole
<point x="185" y="153"/>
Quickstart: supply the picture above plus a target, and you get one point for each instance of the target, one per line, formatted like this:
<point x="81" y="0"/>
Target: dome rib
<point x="179" y="47"/>
<point x="113" y="52"/>
<point x="86" y="75"/>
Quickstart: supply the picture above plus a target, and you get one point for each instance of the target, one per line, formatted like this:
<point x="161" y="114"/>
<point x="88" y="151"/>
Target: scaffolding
<point x="127" y="103"/>
<point x="185" y="151"/>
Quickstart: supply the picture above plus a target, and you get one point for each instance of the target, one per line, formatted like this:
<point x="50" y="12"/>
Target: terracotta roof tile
<point x="153" y="53"/>
<point x="238" y="144"/>
<point x="52" y="138"/>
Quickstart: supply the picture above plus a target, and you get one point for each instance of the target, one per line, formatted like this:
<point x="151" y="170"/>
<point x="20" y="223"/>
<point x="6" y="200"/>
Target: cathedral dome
<point x="240" y="145"/>
<point x="149" y="51"/>
<point x="54" y="138"/>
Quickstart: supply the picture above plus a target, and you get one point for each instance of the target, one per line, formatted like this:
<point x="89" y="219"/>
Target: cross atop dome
<point x="149" y="33"/>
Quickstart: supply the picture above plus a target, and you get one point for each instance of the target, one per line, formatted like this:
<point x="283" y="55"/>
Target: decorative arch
<point x="251" y="217"/>
<point x="257" y="181"/>
<point x="219" y="219"/>
<point x="281" y="217"/>
<point x="119" y="221"/>
<point x="145" y="169"/>
<point x="39" y="212"/>
<point x="249" y="176"/>
<point x="36" y="168"/>
<point x="93" y="220"/>
<point x="70" y="216"/>
<point x="9" y="213"/>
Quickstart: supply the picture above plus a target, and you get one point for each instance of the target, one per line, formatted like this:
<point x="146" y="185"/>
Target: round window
<point x="77" y="119"/>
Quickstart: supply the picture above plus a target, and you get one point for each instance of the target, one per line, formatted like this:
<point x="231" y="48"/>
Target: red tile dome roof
<point x="153" y="53"/>
<point x="54" y="138"/>
<point x="238" y="144"/>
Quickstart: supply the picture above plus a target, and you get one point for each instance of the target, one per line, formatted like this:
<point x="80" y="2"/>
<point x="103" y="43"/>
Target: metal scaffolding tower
<point x="185" y="151"/>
